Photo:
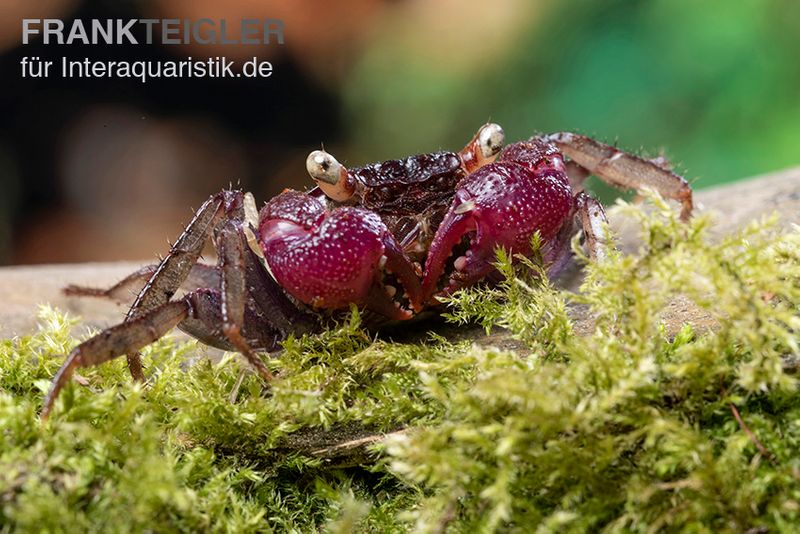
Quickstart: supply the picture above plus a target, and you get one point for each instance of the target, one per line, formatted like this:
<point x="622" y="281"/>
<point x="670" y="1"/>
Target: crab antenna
<point x="331" y="176"/>
<point x="483" y="148"/>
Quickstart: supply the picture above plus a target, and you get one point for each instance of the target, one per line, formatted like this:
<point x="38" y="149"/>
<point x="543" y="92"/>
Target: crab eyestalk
<point x="331" y="176"/>
<point x="483" y="148"/>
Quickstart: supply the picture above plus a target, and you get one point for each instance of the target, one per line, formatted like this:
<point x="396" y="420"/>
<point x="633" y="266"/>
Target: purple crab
<point x="390" y="237"/>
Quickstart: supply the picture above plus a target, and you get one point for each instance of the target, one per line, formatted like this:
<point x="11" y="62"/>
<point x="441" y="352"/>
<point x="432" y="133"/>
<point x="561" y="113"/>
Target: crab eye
<point x="323" y="167"/>
<point x="491" y="139"/>
<point x="331" y="176"/>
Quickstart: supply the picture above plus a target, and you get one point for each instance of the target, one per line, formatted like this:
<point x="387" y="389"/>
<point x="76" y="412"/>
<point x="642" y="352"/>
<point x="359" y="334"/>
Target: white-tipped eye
<point x="491" y="139"/>
<point x="323" y="167"/>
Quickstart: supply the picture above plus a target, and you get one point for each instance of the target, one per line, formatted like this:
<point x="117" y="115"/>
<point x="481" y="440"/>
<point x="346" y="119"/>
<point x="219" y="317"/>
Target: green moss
<point x="627" y="428"/>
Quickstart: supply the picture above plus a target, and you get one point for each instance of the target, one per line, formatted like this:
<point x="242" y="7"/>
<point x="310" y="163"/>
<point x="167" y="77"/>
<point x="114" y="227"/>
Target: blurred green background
<point x="713" y="85"/>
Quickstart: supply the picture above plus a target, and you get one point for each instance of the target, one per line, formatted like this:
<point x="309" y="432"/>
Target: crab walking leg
<point x="124" y="338"/>
<point x="576" y="175"/>
<point x="271" y="302"/>
<point x="233" y="288"/>
<point x="270" y="299"/>
<point x="557" y="254"/>
<point x="176" y="266"/>
<point x="205" y="323"/>
<point x="126" y="290"/>
<point x="593" y="221"/>
<point x="183" y="255"/>
<point x="622" y="169"/>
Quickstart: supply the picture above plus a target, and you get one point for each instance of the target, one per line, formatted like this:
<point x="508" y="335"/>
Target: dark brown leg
<point x="124" y="338"/>
<point x="246" y="309"/>
<point x="271" y="302"/>
<point x="183" y="255"/>
<point x="234" y="292"/>
<point x="126" y="290"/>
<point x="199" y="313"/>
<point x="175" y="267"/>
<point x="625" y="170"/>
<point x="205" y="324"/>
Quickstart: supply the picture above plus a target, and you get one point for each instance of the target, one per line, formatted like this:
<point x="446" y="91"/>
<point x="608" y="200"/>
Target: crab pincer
<point x="501" y="204"/>
<point x="329" y="259"/>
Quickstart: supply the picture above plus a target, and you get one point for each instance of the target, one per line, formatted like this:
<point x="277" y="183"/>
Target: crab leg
<point x="576" y="175"/>
<point x="200" y="313"/>
<point x="126" y="290"/>
<point x="622" y="169"/>
<point x="206" y="319"/>
<point x="124" y="338"/>
<point x="233" y="288"/>
<point x="284" y="316"/>
<point x="593" y="221"/>
<point x="557" y="254"/>
<point x="176" y="266"/>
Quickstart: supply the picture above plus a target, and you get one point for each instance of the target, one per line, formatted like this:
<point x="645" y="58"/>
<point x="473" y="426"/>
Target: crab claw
<point x="332" y="259"/>
<point x="502" y="204"/>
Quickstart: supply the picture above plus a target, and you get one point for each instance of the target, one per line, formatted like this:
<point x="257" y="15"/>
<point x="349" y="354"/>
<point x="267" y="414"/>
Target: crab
<point x="392" y="238"/>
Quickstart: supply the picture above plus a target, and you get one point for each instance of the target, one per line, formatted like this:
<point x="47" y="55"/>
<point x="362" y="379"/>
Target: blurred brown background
<point x="108" y="169"/>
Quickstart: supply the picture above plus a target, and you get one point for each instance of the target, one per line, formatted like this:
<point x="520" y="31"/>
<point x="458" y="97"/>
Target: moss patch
<point x="627" y="428"/>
